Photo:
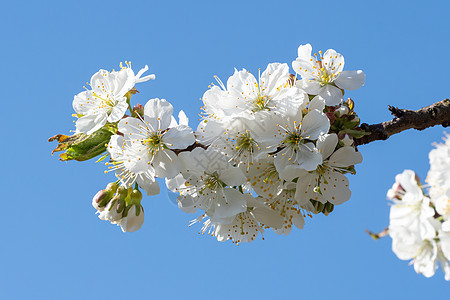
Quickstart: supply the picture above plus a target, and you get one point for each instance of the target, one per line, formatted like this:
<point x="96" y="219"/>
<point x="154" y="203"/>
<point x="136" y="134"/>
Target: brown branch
<point x="435" y="114"/>
<point x="378" y="235"/>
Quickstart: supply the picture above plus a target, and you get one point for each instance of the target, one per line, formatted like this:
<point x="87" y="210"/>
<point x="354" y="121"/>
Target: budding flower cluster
<point x="269" y="150"/>
<point x="120" y="206"/>
<point x="420" y="221"/>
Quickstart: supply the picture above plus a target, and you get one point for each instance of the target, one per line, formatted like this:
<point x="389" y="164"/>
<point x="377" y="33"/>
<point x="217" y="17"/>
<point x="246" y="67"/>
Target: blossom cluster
<point x="268" y="151"/>
<point x="420" y="220"/>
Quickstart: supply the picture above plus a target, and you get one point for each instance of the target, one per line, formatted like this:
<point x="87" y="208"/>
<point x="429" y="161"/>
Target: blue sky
<point x="54" y="247"/>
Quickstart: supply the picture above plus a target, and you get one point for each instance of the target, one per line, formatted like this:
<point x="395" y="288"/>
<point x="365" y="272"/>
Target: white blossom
<point x="327" y="183"/>
<point x="152" y="139"/>
<point x="324" y="75"/>
<point x="246" y="225"/>
<point x="208" y="186"/>
<point x="106" y="101"/>
<point x="292" y="138"/>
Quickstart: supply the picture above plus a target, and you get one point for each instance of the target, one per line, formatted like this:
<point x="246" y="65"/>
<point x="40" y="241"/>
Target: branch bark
<point x="435" y="114"/>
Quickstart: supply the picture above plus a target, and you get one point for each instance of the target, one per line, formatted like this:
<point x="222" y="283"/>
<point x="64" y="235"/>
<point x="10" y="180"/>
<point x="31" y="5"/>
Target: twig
<point x="435" y="114"/>
<point x="378" y="235"/>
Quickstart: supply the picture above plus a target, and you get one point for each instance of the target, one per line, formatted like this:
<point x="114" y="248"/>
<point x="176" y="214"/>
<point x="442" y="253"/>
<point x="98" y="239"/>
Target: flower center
<point x="154" y="142"/>
<point x="245" y="142"/>
<point x="293" y="140"/>
<point x="324" y="77"/>
<point x="212" y="183"/>
<point x="261" y="103"/>
<point x="106" y="103"/>
<point x="271" y="174"/>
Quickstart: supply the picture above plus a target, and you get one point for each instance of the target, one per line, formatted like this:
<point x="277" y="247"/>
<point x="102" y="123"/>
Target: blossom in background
<point x="106" y="101"/>
<point x="439" y="177"/>
<point x="324" y="75"/>
<point x="416" y="229"/>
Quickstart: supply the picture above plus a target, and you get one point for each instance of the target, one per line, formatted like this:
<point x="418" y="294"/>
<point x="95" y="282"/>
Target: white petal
<point x="83" y="102"/>
<point x="345" y="157"/>
<point x="350" y="80"/>
<point x="187" y="204"/>
<point x="309" y="157"/>
<point x="183" y="118"/>
<point x="314" y="124"/>
<point x="121" y="81"/>
<point x="208" y="131"/>
<point x="158" y="113"/>
<point x="232" y="176"/>
<point x="305" y="188"/>
<point x="220" y="103"/>
<point x="118" y="111"/>
<point x="268" y="217"/>
<point x="229" y="204"/>
<point x="326" y="144"/>
<point x="318" y="102"/>
<point x="179" y="137"/>
<point x="274" y="78"/>
<point x="148" y="183"/>
<point x="289" y="101"/>
<point x="242" y="84"/>
<point x="290" y="174"/>
<point x="332" y="95"/>
<point x="311" y="86"/>
<point x="138" y="77"/>
<point x="333" y="62"/>
<point x="307" y="69"/>
<point x="132" y="222"/>
<point x="133" y="128"/>
<point x="90" y="123"/>
<point x="334" y="187"/>
<point x="304" y="52"/>
<point x="166" y="164"/>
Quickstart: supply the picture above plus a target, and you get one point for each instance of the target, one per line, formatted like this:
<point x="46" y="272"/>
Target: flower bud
<point x="111" y="213"/>
<point x="328" y="208"/>
<point x="136" y="197"/>
<point x="133" y="213"/>
<point x="317" y="206"/>
<point x="350" y="104"/>
<point x="102" y="197"/>
<point x="134" y="219"/>
<point x="395" y="192"/>
<point x="112" y="186"/>
<point x="138" y="110"/>
<point x="346" y="140"/>
<point x="342" y="110"/>
<point x="122" y="192"/>
<point x="354" y="119"/>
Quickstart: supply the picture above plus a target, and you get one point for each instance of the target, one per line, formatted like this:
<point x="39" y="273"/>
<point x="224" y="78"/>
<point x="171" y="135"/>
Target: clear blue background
<point x="53" y="246"/>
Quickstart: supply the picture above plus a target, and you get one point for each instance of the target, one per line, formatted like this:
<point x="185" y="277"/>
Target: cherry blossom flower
<point x="208" y="186"/>
<point x="107" y="101"/>
<point x="327" y="183"/>
<point x="152" y="140"/>
<point x="324" y="75"/>
<point x="292" y="139"/>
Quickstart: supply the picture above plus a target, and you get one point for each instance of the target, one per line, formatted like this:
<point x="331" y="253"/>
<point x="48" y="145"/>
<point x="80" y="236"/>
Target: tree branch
<point x="435" y="114"/>
<point x="378" y="235"/>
